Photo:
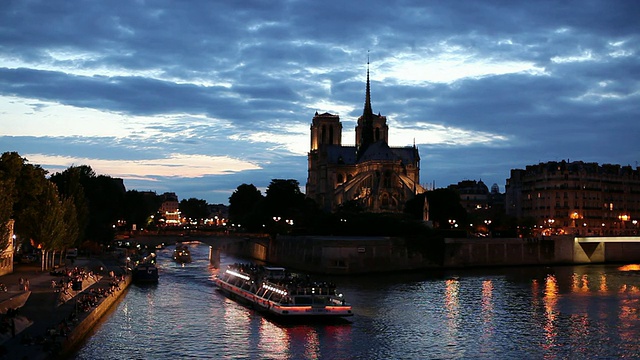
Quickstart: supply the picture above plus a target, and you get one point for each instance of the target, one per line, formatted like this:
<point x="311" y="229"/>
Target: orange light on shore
<point x="630" y="267"/>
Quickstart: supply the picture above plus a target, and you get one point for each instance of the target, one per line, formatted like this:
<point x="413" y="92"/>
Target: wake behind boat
<point x="274" y="292"/>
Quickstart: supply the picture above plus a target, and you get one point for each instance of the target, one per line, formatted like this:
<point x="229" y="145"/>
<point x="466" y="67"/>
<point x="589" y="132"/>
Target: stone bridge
<point x="255" y="245"/>
<point x="598" y="249"/>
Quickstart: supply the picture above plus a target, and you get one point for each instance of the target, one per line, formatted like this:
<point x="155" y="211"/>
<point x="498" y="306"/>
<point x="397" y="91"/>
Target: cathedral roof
<point x="381" y="151"/>
<point x="337" y="154"/>
<point x="378" y="151"/>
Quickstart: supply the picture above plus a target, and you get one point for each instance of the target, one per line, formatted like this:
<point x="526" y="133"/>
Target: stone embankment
<point x="46" y="315"/>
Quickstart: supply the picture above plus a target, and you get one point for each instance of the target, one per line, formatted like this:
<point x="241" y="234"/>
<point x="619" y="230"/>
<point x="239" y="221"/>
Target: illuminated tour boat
<point x="273" y="291"/>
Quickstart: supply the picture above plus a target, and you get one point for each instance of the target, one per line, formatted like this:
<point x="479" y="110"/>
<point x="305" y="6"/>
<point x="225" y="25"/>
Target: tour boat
<point x="182" y="254"/>
<point x="275" y="292"/>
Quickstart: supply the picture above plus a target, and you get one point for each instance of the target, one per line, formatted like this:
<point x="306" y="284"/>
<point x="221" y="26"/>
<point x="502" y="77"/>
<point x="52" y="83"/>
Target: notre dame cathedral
<point x="378" y="177"/>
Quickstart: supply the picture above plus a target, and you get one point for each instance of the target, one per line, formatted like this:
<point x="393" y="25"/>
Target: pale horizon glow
<point x="176" y="166"/>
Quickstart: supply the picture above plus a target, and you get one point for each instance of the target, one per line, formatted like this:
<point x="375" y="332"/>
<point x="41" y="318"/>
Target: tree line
<point x="78" y="208"/>
<point x="72" y="208"/>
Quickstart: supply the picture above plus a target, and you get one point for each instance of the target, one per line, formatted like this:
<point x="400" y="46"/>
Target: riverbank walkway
<point x="37" y="314"/>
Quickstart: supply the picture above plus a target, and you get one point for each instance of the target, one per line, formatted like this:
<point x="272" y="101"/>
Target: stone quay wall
<point x="87" y="323"/>
<point x="508" y="251"/>
<point x="360" y="255"/>
<point x="345" y="255"/>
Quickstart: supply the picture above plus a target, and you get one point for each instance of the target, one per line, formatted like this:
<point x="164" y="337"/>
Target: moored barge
<point x="275" y="292"/>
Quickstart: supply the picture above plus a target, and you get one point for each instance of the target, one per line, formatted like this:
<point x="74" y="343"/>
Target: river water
<point x="572" y="312"/>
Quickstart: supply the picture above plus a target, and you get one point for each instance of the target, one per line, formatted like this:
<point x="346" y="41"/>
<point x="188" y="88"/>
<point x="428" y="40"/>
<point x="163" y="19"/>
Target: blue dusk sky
<point x="198" y="97"/>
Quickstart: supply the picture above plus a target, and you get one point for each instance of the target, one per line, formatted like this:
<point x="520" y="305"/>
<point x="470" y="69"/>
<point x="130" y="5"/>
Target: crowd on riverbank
<point x="36" y="321"/>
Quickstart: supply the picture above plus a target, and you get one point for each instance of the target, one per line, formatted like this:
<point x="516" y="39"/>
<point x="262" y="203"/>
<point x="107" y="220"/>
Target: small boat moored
<point x="275" y="292"/>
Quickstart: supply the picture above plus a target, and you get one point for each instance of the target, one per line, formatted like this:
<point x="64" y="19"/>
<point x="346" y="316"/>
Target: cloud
<point x="481" y="87"/>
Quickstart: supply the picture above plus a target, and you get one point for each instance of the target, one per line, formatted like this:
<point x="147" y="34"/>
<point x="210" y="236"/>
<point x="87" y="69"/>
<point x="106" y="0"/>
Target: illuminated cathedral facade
<point x="371" y="174"/>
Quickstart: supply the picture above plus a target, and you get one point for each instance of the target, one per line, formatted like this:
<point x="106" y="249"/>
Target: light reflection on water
<point x="529" y="313"/>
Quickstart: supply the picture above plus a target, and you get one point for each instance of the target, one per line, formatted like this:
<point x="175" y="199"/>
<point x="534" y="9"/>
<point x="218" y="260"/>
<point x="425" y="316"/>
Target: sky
<point x="199" y="97"/>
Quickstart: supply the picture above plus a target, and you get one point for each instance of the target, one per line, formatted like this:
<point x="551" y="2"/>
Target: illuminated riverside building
<point x="170" y="209"/>
<point x="378" y="177"/>
<point x="576" y="198"/>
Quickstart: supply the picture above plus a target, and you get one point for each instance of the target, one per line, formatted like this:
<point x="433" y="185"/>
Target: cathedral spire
<point x="368" y="112"/>
<point x="366" y="136"/>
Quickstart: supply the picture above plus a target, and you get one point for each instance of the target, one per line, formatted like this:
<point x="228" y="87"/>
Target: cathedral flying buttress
<point x="377" y="177"/>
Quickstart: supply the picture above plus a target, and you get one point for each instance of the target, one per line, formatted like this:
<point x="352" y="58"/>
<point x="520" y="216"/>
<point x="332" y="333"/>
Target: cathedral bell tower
<point x="371" y="128"/>
<point x="326" y="129"/>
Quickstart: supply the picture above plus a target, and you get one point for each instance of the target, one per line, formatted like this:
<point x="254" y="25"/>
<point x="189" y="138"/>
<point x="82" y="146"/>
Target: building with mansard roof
<point x="377" y="177"/>
<point x="576" y="198"/>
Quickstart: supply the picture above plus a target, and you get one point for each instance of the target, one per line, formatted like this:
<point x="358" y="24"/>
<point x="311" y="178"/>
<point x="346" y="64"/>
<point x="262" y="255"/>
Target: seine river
<point x="514" y="313"/>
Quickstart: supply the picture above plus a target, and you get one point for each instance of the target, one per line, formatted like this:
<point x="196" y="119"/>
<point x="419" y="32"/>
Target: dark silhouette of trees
<point x="43" y="219"/>
<point x="7" y="189"/>
<point x="194" y="209"/>
<point x="284" y="198"/>
<point x="27" y="184"/>
<point x="244" y="207"/>
<point x="139" y="207"/>
<point x="444" y="205"/>
<point x="284" y="206"/>
<point x="106" y="206"/>
<point x="69" y="183"/>
<point x="104" y="197"/>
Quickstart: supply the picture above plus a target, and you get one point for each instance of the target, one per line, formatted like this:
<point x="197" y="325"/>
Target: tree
<point x="415" y="207"/>
<point x="6" y="210"/>
<point x="140" y="206"/>
<point x="71" y="229"/>
<point x="244" y="206"/>
<point x="106" y="197"/>
<point x="195" y="209"/>
<point x="26" y="184"/>
<point x="284" y="198"/>
<point x="69" y="184"/>
<point x="284" y="202"/>
<point x="56" y="224"/>
<point x="444" y="205"/>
